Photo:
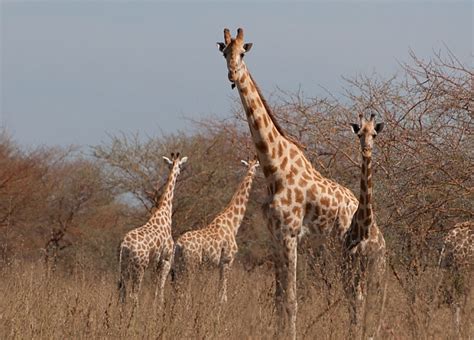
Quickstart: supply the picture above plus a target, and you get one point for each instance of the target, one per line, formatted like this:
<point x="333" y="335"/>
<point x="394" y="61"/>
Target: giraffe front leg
<point x="290" y="243"/>
<point x="374" y="295"/>
<point x="285" y="243"/>
<point x="349" y="289"/>
<point x="280" y="279"/>
<point x="285" y="289"/>
<point x="354" y="294"/>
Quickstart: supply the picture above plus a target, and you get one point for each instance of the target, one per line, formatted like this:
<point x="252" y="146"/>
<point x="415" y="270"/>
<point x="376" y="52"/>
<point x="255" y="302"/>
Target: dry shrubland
<point x="83" y="303"/>
<point x="63" y="212"/>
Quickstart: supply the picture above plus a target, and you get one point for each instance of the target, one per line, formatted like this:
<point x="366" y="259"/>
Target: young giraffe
<point x="458" y="255"/>
<point x="297" y="193"/>
<point x="364" y="244"/>
<point x="216" y="243"/>
<point x="151" y="242"/>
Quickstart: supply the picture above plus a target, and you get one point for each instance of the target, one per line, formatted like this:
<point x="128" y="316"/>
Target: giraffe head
<point x="367" y="131"/>
<point x="234" y="50"/>
<point x="252" y="165"/>
<point x="175" y="163"/>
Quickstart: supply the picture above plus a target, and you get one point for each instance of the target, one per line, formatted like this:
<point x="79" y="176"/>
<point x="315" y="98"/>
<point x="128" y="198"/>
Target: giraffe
<point x="216" y="242"/>
<point x="458" y="245"/>
<point x="457" y="255"/>
<point x="151" y="242"/>
<point x="297" y="193"/>
<point x="364" y="244"/>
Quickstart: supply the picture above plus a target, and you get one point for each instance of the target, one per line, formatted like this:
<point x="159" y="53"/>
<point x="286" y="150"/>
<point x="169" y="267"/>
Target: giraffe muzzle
<point x="232" y="75"/>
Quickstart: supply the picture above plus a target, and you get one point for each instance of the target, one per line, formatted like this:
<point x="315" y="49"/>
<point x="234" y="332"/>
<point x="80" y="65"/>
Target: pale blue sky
<point x="73" y="71"/>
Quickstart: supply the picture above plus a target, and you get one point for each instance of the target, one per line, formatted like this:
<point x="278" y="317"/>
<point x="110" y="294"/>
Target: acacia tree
<point x="21" y="182"/>
<point x="75" y="190"/>
<point x="136" y="168"/>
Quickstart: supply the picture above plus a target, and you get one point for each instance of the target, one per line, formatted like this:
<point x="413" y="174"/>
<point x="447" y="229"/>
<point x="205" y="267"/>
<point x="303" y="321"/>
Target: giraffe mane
<point x="273" y="118"/>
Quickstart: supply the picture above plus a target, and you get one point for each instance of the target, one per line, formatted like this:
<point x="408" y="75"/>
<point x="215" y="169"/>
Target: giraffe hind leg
<point x="136" y="278"/>
<point x="291" y="245"/>
<point x="223" y="276"/>
<point x="163" y="271"/>
<point x="137" y="274"/>
<point x="124" y="274"/>
<point x="353" y="291"/>
<point x="177" y="266"/>
<point x="122" y="290"/>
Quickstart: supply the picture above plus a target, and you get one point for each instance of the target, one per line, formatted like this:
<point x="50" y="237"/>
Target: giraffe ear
<point x="167" y="160"/>
<point x="379" y="127"/>
<point x="221" y="46"/>
<point x="244" y="162"/>
<point x="355" y="128"/>
<point x="183" y="160"/>
<point x="248" y="46"/>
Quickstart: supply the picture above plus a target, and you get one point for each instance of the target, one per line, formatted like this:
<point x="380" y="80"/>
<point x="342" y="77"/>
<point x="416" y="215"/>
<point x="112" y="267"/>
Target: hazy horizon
<point x="71" y="72"/>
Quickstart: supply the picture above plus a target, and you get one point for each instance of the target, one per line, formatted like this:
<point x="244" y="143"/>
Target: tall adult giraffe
<point x="150" y="243"/>
<point x="297" y="193"/>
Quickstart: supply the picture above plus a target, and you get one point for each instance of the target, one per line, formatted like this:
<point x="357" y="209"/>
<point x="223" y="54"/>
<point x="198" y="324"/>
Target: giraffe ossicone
<point x="297" y="193"/>
<point x="150" y="244"/>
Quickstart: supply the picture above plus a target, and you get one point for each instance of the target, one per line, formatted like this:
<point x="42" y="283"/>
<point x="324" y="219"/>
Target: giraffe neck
<point x="267" y="135"/>
<point x="166" y="201"/>
<point x="365" y="216"/>
<point x="238" y="204"/>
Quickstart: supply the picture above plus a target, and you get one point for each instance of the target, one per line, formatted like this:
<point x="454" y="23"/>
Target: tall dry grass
<point x="83" y="303"/>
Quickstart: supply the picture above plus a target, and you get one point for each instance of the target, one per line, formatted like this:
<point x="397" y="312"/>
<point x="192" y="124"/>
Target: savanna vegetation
<point x="64" y="210"/>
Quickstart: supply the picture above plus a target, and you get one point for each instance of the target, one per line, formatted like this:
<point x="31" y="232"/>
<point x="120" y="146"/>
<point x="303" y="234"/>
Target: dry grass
<point x="82" y="303"/>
